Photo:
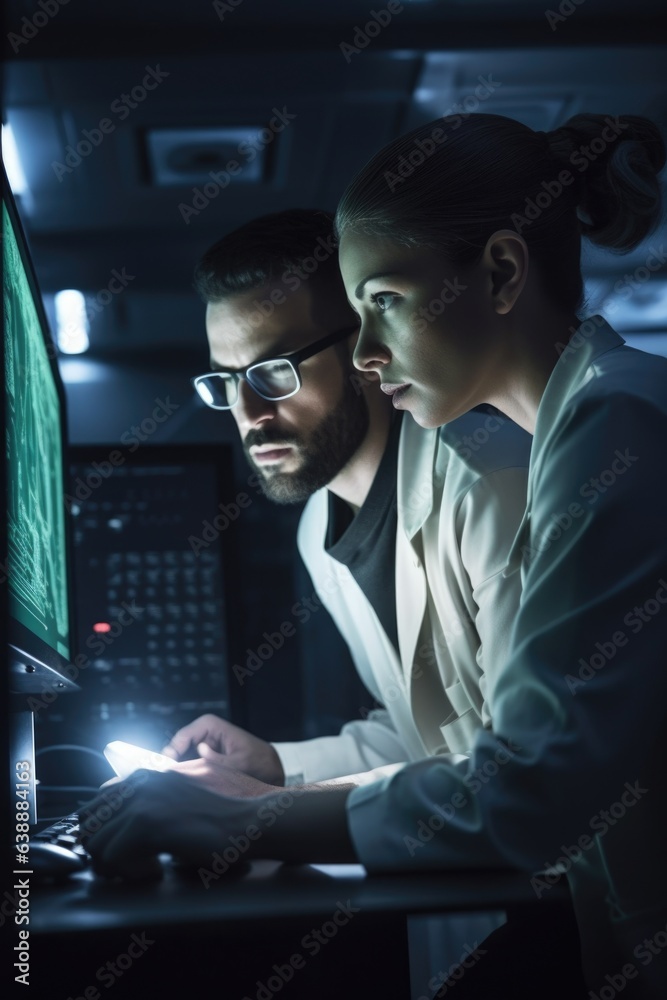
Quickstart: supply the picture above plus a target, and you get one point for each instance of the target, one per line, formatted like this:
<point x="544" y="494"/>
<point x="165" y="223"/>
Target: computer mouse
<point x="52" y="863"/>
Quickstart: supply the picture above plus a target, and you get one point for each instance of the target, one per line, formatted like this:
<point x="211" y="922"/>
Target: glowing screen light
<point x="12" y="161"/>
<point x="71" y="322"/>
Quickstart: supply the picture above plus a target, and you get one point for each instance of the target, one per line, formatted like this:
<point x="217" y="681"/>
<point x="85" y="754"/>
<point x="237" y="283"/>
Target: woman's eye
<point x="383" y="300"/>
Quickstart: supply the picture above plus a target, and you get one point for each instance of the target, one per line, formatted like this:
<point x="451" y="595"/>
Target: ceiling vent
<point x="196" y="155"/>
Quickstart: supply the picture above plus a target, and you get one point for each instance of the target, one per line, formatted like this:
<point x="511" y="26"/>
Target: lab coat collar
<point x="416" y="457"/>
<point x="418" y="447"/>
<point x="593" y="338"/>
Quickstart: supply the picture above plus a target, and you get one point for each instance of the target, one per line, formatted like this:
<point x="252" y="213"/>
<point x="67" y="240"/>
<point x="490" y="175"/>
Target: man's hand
<point x="213" y="772"/>
<point x="234" y="747"/>
<point x="150" y="813"/>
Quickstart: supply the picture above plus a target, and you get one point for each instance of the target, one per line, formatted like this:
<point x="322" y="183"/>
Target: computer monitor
<point x="36" y="568"/>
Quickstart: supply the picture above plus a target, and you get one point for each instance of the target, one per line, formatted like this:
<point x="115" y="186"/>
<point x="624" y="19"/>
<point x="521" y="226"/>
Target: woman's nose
<point x="370" y="354"/>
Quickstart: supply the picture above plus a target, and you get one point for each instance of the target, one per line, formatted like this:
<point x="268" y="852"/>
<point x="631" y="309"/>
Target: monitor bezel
<point x="34" y="666"/>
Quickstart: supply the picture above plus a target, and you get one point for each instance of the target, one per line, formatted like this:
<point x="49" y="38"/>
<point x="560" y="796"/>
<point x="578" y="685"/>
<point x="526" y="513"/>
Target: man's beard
<point x="324" y="454"/>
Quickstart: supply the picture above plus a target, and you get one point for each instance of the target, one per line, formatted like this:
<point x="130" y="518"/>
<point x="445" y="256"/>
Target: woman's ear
<point x="506" y="259"/>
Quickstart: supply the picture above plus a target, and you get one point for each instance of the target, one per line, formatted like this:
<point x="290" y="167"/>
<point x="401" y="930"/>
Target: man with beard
<point x="410" y="570"/>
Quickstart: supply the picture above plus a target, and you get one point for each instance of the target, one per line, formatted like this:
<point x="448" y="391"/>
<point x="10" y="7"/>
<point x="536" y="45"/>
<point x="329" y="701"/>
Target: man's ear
<point x="506" y="259"/>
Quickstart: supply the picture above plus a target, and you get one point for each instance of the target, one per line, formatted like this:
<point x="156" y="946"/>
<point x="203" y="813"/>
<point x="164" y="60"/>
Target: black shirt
<point x="366" y="544"/>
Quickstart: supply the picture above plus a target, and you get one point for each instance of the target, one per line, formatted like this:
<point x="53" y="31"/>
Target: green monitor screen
<point x="37" y="538"/>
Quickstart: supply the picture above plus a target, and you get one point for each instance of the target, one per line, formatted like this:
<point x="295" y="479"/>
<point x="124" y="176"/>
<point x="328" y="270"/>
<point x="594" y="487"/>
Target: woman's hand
<point x="129" y="824"/>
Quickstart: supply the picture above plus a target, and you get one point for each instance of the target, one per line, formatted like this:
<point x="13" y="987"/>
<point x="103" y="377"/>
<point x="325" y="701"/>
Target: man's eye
<point x="383" y="300"/>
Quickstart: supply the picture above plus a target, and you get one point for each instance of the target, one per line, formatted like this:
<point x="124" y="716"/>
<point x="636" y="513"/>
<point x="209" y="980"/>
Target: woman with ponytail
<point x="460" y="249"/>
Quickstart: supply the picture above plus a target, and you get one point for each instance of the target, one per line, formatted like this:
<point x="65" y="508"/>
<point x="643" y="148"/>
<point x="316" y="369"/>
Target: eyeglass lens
<point x="273" y="379"/>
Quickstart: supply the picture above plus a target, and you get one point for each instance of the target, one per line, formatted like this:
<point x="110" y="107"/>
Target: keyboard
<point x="55" y="854"/>
<point x="63" y="832"/>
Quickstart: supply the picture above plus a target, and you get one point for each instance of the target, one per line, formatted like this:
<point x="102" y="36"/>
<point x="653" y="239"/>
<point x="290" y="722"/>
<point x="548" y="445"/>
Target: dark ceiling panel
<point x="141" y="67"/>
<point x="127" y="27"/>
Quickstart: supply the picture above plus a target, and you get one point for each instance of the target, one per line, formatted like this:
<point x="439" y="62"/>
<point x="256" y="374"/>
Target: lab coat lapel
<point x="411" y="603"/>
<point x="414" y="497"/>
<point x="593" y="338"/>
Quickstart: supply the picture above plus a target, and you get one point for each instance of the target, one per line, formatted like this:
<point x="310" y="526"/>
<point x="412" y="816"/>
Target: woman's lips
<point x="397" y="392"/>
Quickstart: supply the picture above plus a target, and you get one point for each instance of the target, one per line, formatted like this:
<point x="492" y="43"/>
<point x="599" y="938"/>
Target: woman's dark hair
<point x="449" y="184"/>
<point x="265" y="249"/>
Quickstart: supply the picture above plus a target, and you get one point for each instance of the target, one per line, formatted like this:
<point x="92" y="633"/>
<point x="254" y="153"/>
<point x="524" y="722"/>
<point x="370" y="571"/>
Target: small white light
<point x="126" y="758"/>
<point x="12" y="161"/>
<point x="82" y="370"/>
<point x="71" y="321"/>
<point x="205" y="392"/>
<point x="425" y="95"/>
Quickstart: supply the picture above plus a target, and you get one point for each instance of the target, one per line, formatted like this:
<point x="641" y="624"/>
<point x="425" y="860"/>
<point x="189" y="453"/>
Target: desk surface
<point x="272" y="892"/>
<point x="273" y="928"/>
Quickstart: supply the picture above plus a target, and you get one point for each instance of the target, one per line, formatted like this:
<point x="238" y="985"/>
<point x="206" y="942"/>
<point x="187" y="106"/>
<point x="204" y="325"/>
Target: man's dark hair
<point x="266" y="249"/>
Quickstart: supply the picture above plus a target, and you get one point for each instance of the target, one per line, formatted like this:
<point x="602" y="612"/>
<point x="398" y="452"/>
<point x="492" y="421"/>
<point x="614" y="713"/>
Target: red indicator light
<point x="101" y="627"/>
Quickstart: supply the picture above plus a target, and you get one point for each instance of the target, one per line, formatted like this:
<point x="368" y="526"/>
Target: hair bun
<point x="617" y="160"/>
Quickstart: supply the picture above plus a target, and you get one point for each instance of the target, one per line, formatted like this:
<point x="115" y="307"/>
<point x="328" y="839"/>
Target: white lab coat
<point x="461" y="496"/>
<point x="574" y="773"/>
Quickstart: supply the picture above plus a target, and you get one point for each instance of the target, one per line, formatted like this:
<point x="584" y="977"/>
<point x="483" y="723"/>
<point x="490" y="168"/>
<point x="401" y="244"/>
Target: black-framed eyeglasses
<point x="271" y="378"/>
